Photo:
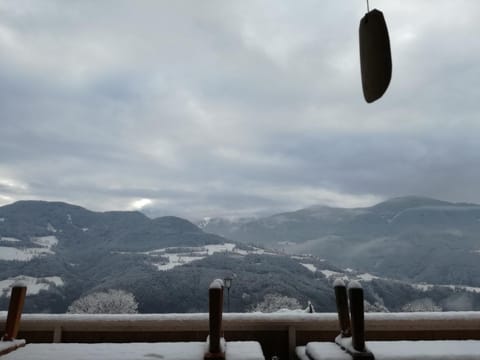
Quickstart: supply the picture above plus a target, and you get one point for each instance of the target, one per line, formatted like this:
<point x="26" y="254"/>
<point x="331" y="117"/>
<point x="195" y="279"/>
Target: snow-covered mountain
<point x="63" y="252"/>
<point x="410" y="238"/>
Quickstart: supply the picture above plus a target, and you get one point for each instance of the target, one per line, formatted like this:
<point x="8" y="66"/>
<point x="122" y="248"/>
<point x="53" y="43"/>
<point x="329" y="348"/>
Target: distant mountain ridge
<point x="121" y="230"/>
<point x="63" y="252"/>
<point x="414" y="238"/>
<point x="80" y="250"/>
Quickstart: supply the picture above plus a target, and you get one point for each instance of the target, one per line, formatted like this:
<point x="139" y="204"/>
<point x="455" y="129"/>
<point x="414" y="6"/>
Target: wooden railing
<point x="278" y="333"/>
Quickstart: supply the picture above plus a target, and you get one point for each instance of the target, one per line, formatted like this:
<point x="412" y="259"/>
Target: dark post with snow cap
<point x="15" y="308"/>
<point x="215" y="293"/>
<point x="342" y="307"/>
<point x="355" y="294"/>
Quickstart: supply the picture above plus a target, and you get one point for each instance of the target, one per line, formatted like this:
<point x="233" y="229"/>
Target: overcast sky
<point x="234" y="108"/>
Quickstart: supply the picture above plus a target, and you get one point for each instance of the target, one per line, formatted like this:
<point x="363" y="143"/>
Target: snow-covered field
<point x="34" y="285"/>
<point x="26" y="254"/>
<point x="426" y="287"/>
<point x="350" y="275"/>
<point x="45" y="241"/>
<point x="168" y="258"/>
<point x="187" y="255"/>
<point x="46" y="244"/>
<point x="334" y="274"/>
<point x="9" y="239"/>
<point x="310" y="267"/>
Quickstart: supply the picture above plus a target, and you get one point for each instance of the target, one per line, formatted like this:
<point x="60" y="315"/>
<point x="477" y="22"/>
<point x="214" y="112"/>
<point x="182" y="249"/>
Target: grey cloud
<point x="218" y="108"/>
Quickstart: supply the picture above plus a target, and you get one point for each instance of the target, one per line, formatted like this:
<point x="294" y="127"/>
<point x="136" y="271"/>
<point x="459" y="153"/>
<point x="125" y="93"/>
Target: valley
<point x="64" y="252"/>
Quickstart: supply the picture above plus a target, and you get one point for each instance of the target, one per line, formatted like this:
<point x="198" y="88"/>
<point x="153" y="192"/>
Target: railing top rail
<point x="247" y="321"/>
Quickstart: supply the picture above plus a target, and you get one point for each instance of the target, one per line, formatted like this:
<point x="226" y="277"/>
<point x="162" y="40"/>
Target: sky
<point x="234" y="108"/>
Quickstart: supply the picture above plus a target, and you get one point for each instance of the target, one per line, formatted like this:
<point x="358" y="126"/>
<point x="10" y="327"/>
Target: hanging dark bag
<point x="375" y="55"/>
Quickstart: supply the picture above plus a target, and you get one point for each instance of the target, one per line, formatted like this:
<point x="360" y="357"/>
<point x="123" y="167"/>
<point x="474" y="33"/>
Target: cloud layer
<point x="234" y="108"/>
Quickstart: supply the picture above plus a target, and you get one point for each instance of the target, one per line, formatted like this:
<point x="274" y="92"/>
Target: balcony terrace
<point x="278" y="334"/>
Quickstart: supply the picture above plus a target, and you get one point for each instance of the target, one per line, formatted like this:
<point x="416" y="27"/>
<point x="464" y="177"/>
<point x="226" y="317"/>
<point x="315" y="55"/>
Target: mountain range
<point x="64" y="252"/>
<point x="410" y="238"/>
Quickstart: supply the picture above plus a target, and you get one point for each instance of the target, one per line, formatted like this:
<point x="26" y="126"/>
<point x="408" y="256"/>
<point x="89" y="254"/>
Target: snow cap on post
<point x="216" y="284"/>
<point x="19" y="283"/>
<point x="338" y="282"/>
<point x="354" y="285"/>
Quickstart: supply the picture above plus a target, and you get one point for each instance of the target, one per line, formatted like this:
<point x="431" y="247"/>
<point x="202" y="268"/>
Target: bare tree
<point x="425" y="304"/>
<point x="108" y="302"/>
<point x="276" y="302"/>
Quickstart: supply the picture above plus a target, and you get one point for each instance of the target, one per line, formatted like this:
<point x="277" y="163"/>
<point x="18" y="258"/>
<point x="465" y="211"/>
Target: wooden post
<point x="57" y="334"/>
<point x="355" y="294"/>
<point x="342" y="307"/>
<point x="215" y="294"/>
<point x="15" y="308"/>
<point x="292" y="342"/>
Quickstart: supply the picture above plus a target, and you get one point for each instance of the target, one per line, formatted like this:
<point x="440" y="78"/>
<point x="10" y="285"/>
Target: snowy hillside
<point x="64" y="252"/>
<point x="410" y="238"/>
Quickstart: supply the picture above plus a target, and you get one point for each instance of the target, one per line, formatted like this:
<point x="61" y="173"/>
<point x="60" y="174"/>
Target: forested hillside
<point x="64" y="252"/>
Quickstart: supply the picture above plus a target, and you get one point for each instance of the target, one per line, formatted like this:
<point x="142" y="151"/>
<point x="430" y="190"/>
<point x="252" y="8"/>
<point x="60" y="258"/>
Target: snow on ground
<point x="45" y="241"/>
<point x="245" y="350"/>
<point x="351" y="276"/>
<point x="212" y="249"/>
<point x="329" y="274"/>
<point x="27" y="254"/>
<point x="367" y="277"/>
<point x="51" y="228"/>
<point x="172" y="257"/>
<point x="310" y="267"/>
<point x="9" y="239"/>
<point x="175" y="260"/>
<point x="426" y="287"/>
<point x="106" y="351"/>
<point x="7" y="346"/>
<point x="34" y="285"/>
<point x="402" y="350"/>
<point x="423" y="287"/>
<point x="427" y="350"/>
<point x="2" y="219"/>
<point x="200" y="250"/>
